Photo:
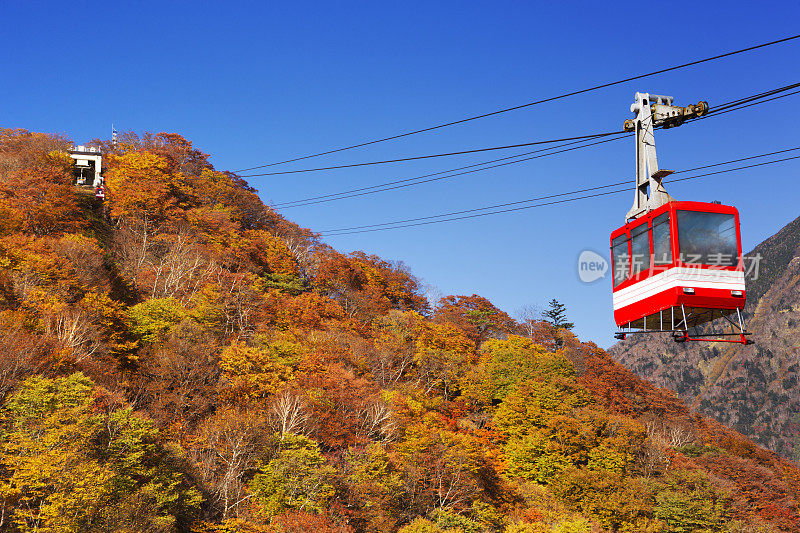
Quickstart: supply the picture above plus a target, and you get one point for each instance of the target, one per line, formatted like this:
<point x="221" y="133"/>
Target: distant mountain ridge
<point x="754" y="389"/>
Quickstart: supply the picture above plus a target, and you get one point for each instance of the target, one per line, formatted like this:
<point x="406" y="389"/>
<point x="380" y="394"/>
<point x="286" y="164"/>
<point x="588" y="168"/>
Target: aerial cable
<point x="573" y="192"/>
<point x="476" y="211"/>
<point x="627" y="189"/>
<point x="719" y="110"/>
<point x="420" y="181"/>
<point x="727" y="107"/>
<point x="529" y="104"/>
<point x="746" y="102"/>
<point x="759" y="96"/>
<point x="404" y="180"/>
<point x="475" y="215"/>
<point x="430" y="156"/>
<point x="735" y="161"/>
<point x="714" y="113"/>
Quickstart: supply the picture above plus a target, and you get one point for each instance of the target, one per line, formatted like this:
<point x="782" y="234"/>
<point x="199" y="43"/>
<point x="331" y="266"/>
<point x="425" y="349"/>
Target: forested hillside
<point x="182" y="358"/>
<point x="754" y="389"/>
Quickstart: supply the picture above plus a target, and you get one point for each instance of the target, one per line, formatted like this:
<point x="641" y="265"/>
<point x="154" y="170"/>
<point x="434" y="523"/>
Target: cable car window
<point x="640" y="248"/>
<point x="662" y="249"/>
<point x="707" y="238"/>
<point x="619" y="251"/>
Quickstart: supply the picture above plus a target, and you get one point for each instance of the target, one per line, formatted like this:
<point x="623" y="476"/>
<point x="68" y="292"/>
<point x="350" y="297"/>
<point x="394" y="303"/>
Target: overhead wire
<point x="758" y="96"/>
<point x="474" y="215"/>
<point x="529" y="104"/>
<point x="404" y="180"/>
<point x="431" y="156"/>
<point x="735" y="161"/>
<point x="719" y="109"/>
<point x="574" y="192"/>
<point x="408" y="182"/>
<point x="717" y="113"/>
<point x="420" y="181"/>
<point x="476" y="212"/>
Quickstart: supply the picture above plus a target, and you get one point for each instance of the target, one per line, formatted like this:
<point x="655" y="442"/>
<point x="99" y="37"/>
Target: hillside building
<point x="88" y="164"/>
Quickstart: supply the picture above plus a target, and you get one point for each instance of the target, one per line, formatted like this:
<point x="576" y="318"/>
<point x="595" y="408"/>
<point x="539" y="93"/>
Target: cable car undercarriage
<point x="679" y="322"/>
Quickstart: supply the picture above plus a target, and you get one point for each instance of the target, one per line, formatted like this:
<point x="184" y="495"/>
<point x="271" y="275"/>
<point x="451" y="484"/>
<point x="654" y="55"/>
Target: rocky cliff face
<point x="754" y="389"/>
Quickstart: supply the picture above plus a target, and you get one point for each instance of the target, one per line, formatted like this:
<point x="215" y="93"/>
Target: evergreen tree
<point x="557" y="315"/>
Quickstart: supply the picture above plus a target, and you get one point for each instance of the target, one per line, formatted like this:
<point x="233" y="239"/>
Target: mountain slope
<point x="754" y="389"/>
<point x="182" y="358"/>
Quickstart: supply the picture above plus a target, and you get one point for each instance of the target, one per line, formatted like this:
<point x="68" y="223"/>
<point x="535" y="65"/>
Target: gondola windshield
<point x="707" y="238"/>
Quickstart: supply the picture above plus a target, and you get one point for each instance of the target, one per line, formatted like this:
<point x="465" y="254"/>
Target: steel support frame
<point x="649" y="191"/>
<point x="680" y="328"/>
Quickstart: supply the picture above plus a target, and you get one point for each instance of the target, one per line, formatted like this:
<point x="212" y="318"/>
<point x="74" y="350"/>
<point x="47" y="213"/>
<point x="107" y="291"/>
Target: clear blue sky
<point x="257" y="82"/>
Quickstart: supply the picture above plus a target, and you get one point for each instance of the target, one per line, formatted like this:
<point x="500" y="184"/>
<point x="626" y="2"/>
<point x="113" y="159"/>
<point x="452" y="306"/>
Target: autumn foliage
<point x="183" y="358"/>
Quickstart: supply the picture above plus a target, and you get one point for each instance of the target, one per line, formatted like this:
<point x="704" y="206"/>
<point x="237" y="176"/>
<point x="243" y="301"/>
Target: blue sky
<point x="253" y="83"/>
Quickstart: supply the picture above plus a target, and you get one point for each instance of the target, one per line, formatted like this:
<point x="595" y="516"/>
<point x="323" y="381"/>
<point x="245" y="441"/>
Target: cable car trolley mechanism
<point x="676" y="264"/>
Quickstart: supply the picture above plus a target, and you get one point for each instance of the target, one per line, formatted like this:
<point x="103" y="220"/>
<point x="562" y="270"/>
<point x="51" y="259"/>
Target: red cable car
<point x="676" y="265"/>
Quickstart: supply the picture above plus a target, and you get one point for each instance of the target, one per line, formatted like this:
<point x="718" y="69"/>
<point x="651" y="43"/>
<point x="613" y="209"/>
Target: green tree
<point x="147" y="474"/>
<point x="53" y="484"/>
<point x="373" y="487"/>
<point x="533" y="458"/>
<point x="690" y="502"/>
<point x="450" y="521"/>
<point x="506" y="363"/>
<point x="556" y="314"/>
<point x="574" y="525"/>
<point x="71" y="470"/>
<point x="296" y="479"/>
<point x="423" y="525"/>
<point x="152" y="318"/>
<point x="618" y="503"/>
<point x="536" y="404"/>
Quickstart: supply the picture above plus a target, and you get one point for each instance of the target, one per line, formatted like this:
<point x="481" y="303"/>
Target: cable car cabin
<point x="676" y="267"/>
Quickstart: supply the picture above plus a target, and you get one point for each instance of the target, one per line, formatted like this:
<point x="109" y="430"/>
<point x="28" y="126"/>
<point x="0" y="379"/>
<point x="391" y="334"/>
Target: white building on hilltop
<point x="88" y="161"/>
